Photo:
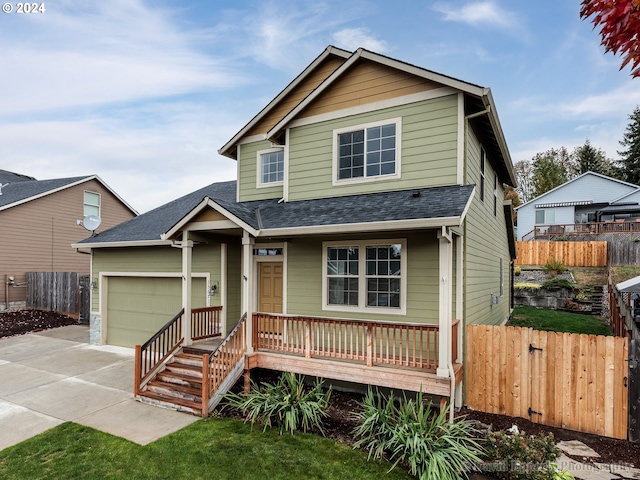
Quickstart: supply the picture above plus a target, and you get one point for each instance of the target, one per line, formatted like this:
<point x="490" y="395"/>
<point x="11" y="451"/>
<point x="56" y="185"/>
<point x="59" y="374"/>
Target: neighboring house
<point x="38" y="224"/>
<point x="367" y="217"/>
<point x="589" y="204"/>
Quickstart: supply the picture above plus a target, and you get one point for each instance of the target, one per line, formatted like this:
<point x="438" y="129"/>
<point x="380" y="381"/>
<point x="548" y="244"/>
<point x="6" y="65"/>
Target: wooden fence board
<point x="56" y="291"/>
<point x="572" y="254"/>
<point x="573" y="381"/>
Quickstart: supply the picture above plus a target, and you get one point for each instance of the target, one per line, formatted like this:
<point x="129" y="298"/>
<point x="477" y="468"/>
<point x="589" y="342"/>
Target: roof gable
<point x="17" y="193"/>
<point x="589" y="187"/>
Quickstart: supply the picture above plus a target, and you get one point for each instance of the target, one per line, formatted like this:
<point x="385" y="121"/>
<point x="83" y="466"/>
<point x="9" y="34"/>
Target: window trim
<point x="544" y="214"/>
<point x="363" y="126"/>
<point x="84" y="203"/>
<point x="259" y="153"/>
<point x="495" y="195"/>
<point x="362" y="277"/>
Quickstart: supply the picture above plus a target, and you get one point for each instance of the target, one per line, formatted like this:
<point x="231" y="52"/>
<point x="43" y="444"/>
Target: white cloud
<point x="354" y="38"/>
<point x="479" y="14"/>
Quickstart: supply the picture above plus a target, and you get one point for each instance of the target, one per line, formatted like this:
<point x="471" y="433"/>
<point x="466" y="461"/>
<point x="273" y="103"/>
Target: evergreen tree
<point x="630" y="156"/>
<point x="590" y="159"/>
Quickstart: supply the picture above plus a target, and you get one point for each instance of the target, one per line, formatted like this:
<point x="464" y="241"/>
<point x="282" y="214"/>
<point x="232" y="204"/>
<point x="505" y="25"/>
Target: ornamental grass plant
<point x="408" y="432"/>
<point x="286" y="404"/>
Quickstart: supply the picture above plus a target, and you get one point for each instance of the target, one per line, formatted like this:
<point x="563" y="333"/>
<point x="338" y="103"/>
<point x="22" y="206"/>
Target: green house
<point x="366" y="228"/>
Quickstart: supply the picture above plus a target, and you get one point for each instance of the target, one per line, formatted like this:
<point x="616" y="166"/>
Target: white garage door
<point x="137" y="307"/>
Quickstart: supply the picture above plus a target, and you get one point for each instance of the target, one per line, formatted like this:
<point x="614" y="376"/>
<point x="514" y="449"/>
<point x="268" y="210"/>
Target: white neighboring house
<point x="590" y="203"/>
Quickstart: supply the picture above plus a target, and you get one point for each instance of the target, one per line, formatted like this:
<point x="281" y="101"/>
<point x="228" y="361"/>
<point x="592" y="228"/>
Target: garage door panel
<point x="137" y="307"/>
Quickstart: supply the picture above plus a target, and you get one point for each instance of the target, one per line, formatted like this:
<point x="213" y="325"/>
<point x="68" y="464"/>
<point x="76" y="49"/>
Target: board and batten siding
<point x="485" y="243"/>
<point x="36" y="236"/>
<point x="428" y="151"/>
<point x="160" y="259"/>
<point x="304" y="275"/>
<point x="248" y="171"/>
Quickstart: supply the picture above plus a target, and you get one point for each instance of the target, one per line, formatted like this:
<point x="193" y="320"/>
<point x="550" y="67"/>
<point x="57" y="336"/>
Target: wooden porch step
<point x="185" y="368"/>
<point x="179" y="379"/>
<point x="187" y="392"/>
<point x="170" y="402"/>
<point x="188" y="359"/>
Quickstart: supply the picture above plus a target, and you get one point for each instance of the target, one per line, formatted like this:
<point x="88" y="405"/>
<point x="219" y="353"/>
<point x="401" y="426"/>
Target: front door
<point x="270" y="289"/>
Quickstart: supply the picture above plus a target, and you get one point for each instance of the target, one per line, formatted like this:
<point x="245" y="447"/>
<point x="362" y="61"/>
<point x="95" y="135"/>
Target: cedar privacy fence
<point x="572" y="254"/>
<point x="577" y="382"/>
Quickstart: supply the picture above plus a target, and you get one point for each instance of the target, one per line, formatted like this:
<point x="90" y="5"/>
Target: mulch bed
<point x="19" y="322"/>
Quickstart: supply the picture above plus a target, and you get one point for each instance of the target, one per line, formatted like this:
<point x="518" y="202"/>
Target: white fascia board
<point x="422" y="223"/>
<point x="328" y="51"/>
<point x="207" y="202"/>
<point x="468" y="205"/>
<point x="127" y="243"/>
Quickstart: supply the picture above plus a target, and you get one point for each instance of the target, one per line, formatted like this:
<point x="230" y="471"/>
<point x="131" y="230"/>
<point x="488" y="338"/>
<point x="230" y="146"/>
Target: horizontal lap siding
<point x="485" y="243"/>
<point x="304" y="278"/>
<point x="428" y="154"/>
<point x="248" y="171"/>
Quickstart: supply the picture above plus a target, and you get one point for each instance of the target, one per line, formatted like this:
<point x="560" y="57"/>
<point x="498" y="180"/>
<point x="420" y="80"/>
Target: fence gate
<point x="634" y="391"/>
<point x="84" y="299"/>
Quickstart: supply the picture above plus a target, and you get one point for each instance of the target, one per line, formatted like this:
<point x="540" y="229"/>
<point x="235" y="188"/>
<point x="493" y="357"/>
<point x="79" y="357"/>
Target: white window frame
<point x="84" y="203"/>
<point x="495" y="195"/>
<point x="483" y="166"/>
<point x="336" y="152"/>
<point x="259" y="153"/>
<point x="548" y="212"/>
<point x="362" y="277"/>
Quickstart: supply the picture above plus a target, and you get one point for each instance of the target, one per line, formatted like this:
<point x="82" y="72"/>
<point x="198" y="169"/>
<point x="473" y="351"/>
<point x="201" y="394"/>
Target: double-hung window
<point x="270" y="167"/>
<point x="365" y="276"/>
<point x="91" y="204"/>
<point x="367" y="152"/>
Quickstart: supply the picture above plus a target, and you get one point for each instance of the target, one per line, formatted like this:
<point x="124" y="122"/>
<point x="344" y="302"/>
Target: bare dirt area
<point x="19" y="322"/>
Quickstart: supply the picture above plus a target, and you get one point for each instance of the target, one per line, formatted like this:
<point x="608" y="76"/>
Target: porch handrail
<point x="205" y="322"/>
<point x="591" y="228"/>
<point x="154" y="351"/>
<point x="371" y="342"/>
<point x="217" y="364"/>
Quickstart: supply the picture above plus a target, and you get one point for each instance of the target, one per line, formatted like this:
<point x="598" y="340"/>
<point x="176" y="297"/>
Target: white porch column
<point x="445" y="299"/>
<point x="459" y="243"/>
<point x="247" y="282"/>
<point x="187" y="253"/>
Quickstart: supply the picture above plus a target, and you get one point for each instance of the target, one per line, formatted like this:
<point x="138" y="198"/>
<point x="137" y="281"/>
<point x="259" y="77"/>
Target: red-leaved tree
<point x="619" y="22"/>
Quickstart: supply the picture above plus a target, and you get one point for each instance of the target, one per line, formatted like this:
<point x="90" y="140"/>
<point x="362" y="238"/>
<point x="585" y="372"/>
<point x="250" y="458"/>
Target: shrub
<point x="521" y="456"/>
<point x="554" y="267"/>
<point x="517" y="271"/>
<point x="284" y="404"/>
<point x="558" y="283"/>
<point x="411" y="434"/>
<point x="525" y="285"/>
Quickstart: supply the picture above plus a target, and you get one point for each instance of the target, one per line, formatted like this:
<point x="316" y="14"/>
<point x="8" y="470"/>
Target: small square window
<point x="91" y="204"/>
<point x="270" y="167"/>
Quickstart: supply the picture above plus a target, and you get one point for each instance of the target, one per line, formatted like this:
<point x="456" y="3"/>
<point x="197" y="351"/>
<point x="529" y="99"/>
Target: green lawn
<point x="209" y="449"/>
<point x="557" y="321"/>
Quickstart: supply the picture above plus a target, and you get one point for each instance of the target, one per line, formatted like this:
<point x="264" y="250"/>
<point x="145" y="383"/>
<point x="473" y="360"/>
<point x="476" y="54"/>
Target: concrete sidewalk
<point x="54" y="376"/>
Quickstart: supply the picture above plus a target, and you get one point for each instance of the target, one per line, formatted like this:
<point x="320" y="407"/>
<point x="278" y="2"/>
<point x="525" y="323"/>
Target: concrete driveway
<point x="55" y="376"/>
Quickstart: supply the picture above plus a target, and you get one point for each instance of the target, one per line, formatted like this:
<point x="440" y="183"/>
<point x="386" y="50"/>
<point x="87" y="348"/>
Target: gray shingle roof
<point x="23" y="190"/>
<point x="11" y="177"/>
<point x="426" y="203"/>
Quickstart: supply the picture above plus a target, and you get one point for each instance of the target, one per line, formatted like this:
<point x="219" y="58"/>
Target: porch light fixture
<point x="212" y="290"/>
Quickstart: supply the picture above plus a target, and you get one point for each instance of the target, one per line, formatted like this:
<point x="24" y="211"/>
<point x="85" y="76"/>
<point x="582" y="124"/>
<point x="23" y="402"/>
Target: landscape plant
<point x="558" y="283"/>
<point x="286" y="404"/>
<point x="410" y="433"/>
<point x="554" y="267"/>
<point x="520" y="456"/>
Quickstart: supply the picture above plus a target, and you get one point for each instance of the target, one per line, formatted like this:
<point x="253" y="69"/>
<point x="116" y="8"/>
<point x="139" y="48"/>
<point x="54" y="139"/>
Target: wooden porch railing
<point x="205" y="322"/>
<point x="616" y="226"/>
<point x="217" y="365"/>
<point x="368" y="342"/>
<point x="155" y="350"/>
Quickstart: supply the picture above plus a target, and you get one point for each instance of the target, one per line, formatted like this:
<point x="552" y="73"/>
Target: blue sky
<point x="145" y="93"/>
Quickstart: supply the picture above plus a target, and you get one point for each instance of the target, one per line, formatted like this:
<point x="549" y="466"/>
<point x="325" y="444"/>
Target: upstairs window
<point x="495" y="195"/>
<point x="545" y="216"/>
<point x="367" y="152"/>
<point x="270" y="167"/>
<point x="91" y="204"/>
